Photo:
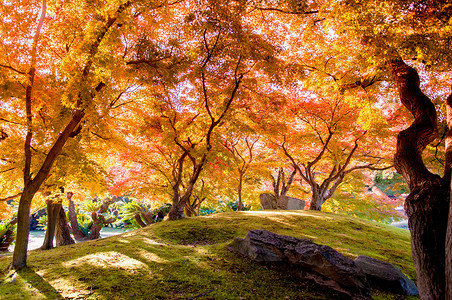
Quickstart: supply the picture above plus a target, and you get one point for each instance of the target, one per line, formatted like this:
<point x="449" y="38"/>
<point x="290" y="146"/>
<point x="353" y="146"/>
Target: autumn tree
<point x="51" y="87"/>
<point x="280" y="184"/>
<point x="242" y="150"/>
<point x="407" y="41"/>
<point x="323" y="144"/>
<point x="194" y="85"/>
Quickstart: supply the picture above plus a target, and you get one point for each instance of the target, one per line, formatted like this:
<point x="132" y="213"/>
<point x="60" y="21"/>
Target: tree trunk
<point x="62" y="232"/>
<point x="53" y="212"/>
<point x="316" y="203"/>
<point x="23" y="230"/>
<point x="427" y="206"/>
<point x="239" y="190"/>
<point x="97" y="226"/>
<point x="177" y="210"/>
<point x="78" y="234"/>
<point x="449" y="255"/>
<point x="427" y="210"/>
<point x="140" y="222"/>
<point x="448" y="170"/>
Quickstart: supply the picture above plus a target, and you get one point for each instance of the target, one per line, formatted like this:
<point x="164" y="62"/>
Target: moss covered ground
<point x="189" y="259"/>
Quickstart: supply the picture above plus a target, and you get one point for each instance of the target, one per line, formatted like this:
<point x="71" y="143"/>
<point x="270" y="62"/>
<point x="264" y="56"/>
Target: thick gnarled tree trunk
<point x="427" y="206"/>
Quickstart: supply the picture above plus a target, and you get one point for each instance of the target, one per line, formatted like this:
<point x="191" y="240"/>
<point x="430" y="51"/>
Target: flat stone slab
<point x="268" y="201"/>
<point x="291" y="203"/>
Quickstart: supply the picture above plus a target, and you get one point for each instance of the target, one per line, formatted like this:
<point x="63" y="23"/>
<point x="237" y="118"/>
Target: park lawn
<point x="189" y="259"/>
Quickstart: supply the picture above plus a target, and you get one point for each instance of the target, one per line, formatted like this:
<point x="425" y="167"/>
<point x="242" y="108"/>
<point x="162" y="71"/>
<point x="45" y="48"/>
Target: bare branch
<point x="287" y="11"/>
<point x="11" y="197"/>
<point x="325" y="146"/>
<point x="13" y="69"/>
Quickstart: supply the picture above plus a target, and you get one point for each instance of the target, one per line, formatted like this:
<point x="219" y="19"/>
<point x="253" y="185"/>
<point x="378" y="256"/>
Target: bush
<point x="7" y="233"/>
<point x="223" y="206"/>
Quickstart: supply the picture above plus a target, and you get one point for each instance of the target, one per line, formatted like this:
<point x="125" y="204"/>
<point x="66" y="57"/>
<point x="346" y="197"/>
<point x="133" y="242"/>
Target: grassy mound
<point x="188" y="259"/>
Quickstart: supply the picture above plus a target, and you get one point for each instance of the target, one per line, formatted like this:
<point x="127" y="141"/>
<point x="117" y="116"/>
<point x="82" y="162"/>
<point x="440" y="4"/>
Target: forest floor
<point x="189" y="259"/>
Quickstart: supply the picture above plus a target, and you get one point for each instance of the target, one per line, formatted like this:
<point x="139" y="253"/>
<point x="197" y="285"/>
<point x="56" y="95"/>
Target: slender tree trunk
<point x="30" y="187"/>
<point x="62" y="232"/>
<point x="239" y="190"/>
<point x="53" y="212"/>
<point x="190" y="209"/>
<point x="23" y="229"/>
<point x="148" y="218"/>
<point x="427" y="206"/>
<point x="177" y="210"/>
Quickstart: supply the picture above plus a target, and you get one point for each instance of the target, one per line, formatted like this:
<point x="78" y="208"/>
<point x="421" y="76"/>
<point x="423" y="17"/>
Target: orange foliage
<point x="5" y="211"/>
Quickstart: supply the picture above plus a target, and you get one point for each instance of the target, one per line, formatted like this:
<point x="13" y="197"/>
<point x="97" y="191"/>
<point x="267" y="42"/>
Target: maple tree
<point x="328" y="135"/>
<point x="242" y="156"/>
<point x="54" y="77"/>
<point x="399" y="38"/>
<point x="196" y="83"/>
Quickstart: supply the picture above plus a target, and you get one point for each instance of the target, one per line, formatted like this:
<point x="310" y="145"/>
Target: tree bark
<point x="177" y="210"/>
<point x="78" y="234"/>
<point x="62" y="232"/>
<point x="53" y="212"/>
<point x="447" y="170"/>
<point x="23" y="229"/>
<point x="140" y="222"/>
<point x="316" y="203"/>
<point x="96" y="227"/>
<point x="427" y="206"/>
<point x="449" y="254"/>
<point x="239" y="191"/>
<point x="179" y="203"/>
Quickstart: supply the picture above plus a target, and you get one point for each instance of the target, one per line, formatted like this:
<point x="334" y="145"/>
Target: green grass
<point x="188" y="259"/>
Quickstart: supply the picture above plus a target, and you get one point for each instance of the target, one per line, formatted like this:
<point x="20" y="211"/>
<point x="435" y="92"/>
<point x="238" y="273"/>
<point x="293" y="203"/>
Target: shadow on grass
<point x="37" y="282"/>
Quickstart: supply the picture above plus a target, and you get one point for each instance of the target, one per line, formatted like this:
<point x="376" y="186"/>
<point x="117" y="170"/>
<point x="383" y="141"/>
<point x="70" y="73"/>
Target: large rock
<point x="320" y="263"/>
<point x="268" y="201"/>
<point x="385" y="276"/>
<point x="290" y="203"/>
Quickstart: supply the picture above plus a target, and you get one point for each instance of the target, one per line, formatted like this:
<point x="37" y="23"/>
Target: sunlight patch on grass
<point x="107" y="260"/>
<point x="149" y="256"/>
<point x="311" y="237"/>
<point x="301" y="213"/>
<point x="150" y="241"/>
<point x="64" y="285"/>
<point x="124" y="241"/>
